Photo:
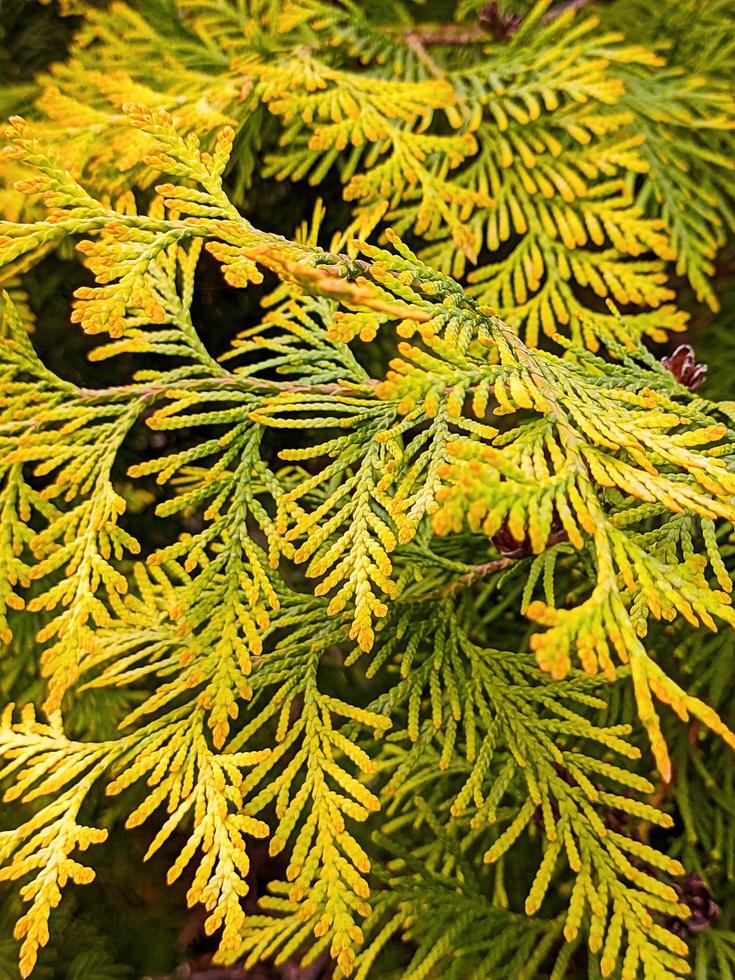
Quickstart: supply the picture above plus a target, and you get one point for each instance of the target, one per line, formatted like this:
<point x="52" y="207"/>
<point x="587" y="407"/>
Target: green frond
<point x="515" y="161"/>
<point x="402" y="560"/>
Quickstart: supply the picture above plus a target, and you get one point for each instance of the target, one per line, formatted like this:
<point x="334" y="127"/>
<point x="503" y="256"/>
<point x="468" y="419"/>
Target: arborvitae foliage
<point x="546" y="154"/>
<point x="386" y="585"/>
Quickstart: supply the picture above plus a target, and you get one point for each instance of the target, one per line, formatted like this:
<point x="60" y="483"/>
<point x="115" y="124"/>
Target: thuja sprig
<point x="609" y="463"/>
<point x="551" y="155"/>
<point x="646" y="444"/>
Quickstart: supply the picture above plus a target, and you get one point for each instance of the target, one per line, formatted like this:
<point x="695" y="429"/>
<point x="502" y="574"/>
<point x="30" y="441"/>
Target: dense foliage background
<point x="654" y="138"/>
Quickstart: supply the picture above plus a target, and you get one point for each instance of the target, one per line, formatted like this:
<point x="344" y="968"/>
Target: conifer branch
<point x="338" y="524"/>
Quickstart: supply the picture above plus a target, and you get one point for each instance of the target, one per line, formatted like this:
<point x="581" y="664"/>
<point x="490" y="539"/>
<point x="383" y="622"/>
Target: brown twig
<point x="152" y="391"/>
<point x="414" y="42"/>
<point x="476" y="573"/>
<point x="437" y="34"/>
<point x="419" y="38"/>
